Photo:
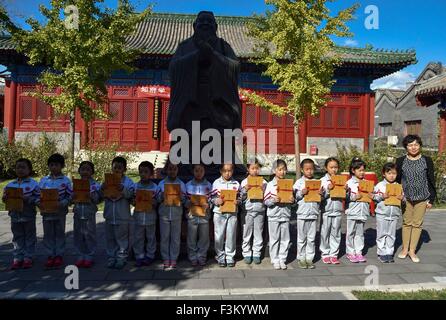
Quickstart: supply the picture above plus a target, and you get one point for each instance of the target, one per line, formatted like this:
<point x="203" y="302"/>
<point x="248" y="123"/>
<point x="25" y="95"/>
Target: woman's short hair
<point x="411" y="138"/>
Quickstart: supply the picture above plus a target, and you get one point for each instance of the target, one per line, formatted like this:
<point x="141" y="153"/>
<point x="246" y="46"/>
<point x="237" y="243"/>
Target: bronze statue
<point x="204" y="76"/>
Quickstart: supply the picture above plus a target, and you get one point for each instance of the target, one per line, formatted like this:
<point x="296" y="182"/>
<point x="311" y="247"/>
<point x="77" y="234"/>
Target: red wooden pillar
<point x="10" y="108"/>
<point x="442" y="137"/>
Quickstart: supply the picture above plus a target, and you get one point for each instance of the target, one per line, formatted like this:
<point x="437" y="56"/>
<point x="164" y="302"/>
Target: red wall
<point x="132" y="125"/>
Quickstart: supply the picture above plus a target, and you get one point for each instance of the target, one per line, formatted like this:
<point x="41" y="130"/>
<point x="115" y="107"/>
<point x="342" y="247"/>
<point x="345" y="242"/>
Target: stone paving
<point x="242" y="282"/>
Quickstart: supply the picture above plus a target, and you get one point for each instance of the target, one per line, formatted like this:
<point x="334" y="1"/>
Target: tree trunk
<point x="297" y="149"/>
<point x="72" y="142"/>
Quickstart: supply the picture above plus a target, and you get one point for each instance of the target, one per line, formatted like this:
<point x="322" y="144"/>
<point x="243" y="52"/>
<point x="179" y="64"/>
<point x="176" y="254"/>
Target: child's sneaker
<point x="326" y="260"/>
<point x="256" y="260"/>
<point x="88" y="263"/>
<point x="139" y="263"/>
<point x="16" y="264"/>
<point x="147" y="261"/>
<point x="231" y="264"/>
<point x="361" y="258"/>
<point x="334" y="260"/>
<point x="222" y="264"/>
<point x="202" y="263"/>
<point x="276" y="266"/>
<point x="173" y="264"/>
<point x="166" y="264"/>
<point x="79" y="263"/>
<point x="28" y="263"/>
<point x="120" y="264"/>
<point x="58" y="262"/>
<point x="248" y="260"/>
<point x="383" y="259"/>
<point x="283" y="265"/>
<point x="390" y="258"/>
<point x="194" y="263"/>
<point x="352" y="258"/>
<point x="49" y="262"/>
<point x="310" y="264"/>
<point x="302" y="264"/>
<point x="111" y="263"/>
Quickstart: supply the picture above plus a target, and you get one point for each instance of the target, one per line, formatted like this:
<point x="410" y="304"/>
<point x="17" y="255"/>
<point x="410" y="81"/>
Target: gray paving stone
<point x="12" y="285"/>
<point x="130" y="275"/>
<point x="270" y="296"/>
<point x="247" y="283"/>
<point x="220" y="273"/>
<point x="160" y="285"/>
<point x="425" y="267"/>
<point x="174" y="275"/>
<point x="92" y="286"/>
<point x="199" y="284"/>
<point x="315" y="296"/>
<point x="419" y="277"/>
<point x="238" y="297"/>
<point x="266" y="273"/>
<point x="278" y="282"/>
<point x="339" y="280"/>
<point x="386" y="279"/>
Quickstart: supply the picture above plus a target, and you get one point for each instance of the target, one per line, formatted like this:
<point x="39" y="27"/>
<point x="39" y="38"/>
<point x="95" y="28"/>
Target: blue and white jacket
<point x="276" y="212"/>
<point x="382" y="210"/>
<point x="117" y="212"/>
<point x="31" y="196"/>
<point x="146" y="218"/>
<point x="356" y="210"/>
<point x="222" y="184"/>
<point x="305" y="210"/>
<point x="86" y="211"/>
<point x="330" y="207"/>
<point x="63" y="184"/>
<point x="203" y="188"/>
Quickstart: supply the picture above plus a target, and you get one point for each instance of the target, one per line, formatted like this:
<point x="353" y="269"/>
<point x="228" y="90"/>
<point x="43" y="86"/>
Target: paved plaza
<point x="242" y="282"/>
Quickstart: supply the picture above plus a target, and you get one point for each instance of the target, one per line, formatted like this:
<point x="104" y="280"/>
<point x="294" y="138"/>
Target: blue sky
<point x="403" y="24"/>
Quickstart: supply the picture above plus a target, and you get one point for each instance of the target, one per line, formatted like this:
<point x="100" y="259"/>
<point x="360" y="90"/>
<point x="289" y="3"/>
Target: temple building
<point x="139" y="102"/>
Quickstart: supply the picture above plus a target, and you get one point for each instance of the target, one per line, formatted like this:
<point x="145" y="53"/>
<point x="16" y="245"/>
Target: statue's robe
<point x="205" y="92"/>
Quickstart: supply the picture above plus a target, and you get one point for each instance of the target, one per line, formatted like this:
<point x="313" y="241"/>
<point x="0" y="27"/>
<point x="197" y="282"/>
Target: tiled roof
<point x="433" y="86"/>
<point x="162" y="32"/>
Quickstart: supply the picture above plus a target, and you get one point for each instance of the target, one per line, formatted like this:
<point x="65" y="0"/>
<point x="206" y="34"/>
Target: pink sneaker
<point x="352" y="258"/>
<point x="326" y="260"/>
<point x="334" y="260"/>
<point x="360" y="258"/>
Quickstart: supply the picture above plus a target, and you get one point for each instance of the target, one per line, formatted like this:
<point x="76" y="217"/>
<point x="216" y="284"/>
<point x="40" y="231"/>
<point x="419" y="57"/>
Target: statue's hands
<point x="205" y="50"/>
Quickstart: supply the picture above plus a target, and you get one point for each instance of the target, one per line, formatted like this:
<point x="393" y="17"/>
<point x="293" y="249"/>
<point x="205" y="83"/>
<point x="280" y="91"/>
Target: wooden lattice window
<point x="251" y="115"/>
<point x="27" y="109"/>
<point x="143" y="112"/>
<point x="114" y="110"/>
<point x="413" y="127"/>
<point x="341" y="119"/>
<point x="354" y="118"/>
<point x="128" y="112"/>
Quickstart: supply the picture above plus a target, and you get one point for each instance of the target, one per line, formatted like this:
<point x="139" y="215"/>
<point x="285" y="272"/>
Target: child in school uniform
<point x="84" y="220"/>
<point x="23" y="223"/>
<point x="386" y="215"/>
<point x="117" y="217"/>
<point x="253" y="216"/>
<point x="278" y="218"/>
<point x="145" y="222"/>
<point x="307" y="214"/>
<point x="54" y="223"/>
<point x="225" y="223"/>
<point x="170" y="218"/>
<point x="198" y="227"/>
<point x="357" y="213"/>
<point x="332" y="210"/>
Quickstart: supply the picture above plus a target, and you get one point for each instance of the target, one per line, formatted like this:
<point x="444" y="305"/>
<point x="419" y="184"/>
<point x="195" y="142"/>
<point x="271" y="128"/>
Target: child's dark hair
<point x="147" y="164"/>
<point x="331" y="159"/>
<point x="356" y="164"/>
<point x="120" y="160"/>
<point x="86" y="163"/>
<point x="28" y="163"/>
<point x="56" y="158"/>
<point x="305" y="161"/>
<point x="388" y="167"/>
<point x="226" y="163"/>
<point x="197" y="165"/>
<point x="254" y="162"/>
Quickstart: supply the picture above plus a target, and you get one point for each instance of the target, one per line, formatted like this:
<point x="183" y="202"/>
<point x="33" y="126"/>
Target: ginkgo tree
<point x="294" y="43"/>
<point x="80" y="43"/>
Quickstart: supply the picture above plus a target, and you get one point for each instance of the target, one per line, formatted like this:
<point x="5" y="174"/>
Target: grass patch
<point x="439" y="206"/>
<point x="414" y="295"/>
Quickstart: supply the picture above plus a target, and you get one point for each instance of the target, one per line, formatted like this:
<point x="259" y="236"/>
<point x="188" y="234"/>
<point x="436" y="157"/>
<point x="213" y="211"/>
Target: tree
<point x="293" y="43"/>
<point x="80" y="50"/>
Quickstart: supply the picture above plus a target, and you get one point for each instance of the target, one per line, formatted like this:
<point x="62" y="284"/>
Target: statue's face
<point x="205" y="26"/>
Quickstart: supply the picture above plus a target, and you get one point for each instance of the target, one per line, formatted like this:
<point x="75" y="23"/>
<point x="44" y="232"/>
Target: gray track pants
<point x="170" y="238"/>
<point x="385" y="236"/>
<point x="54" y="236"/>
<point x="24" y="239"/>
<point x="252" y="231"/>
<point x="117" y="240"/>
<point x="355" y="236"/>
<point x="141" y="235"/>
<point x="330" y="236"/>
<point x="306" y="236"/>
<point x="85" y="237"/>
<point x="225" y="232"/>
<point x="197" y="240"/>
<point x="279" y="240"/>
